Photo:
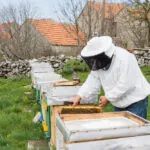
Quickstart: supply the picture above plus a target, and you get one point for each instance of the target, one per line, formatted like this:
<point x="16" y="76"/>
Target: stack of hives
<point x="55" y="98"/>
<point x="83" y="127"/>
<point x="106" y="131"/>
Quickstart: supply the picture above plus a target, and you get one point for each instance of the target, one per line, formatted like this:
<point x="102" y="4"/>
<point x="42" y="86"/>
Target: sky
<point x="45" y="7"/>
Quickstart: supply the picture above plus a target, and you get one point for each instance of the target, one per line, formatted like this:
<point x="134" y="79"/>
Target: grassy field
<point x="18" y="107"/>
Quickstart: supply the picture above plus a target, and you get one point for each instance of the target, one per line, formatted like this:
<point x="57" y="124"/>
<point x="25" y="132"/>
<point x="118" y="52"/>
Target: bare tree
<point x="89" y="19"/>
<point x="103" y="17"/>
<point x="21" y="42"/>
<point x="140" y="14"/>
<point x="69" y="12"/>
<point x="93" y="18"/>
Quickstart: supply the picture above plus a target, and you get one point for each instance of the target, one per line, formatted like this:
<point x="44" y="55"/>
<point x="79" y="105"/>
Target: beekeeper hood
<point x="98" y="53"/>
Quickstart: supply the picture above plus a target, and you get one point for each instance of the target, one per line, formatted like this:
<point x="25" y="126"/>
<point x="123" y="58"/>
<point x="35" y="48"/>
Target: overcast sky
<point x="45" y="7"/>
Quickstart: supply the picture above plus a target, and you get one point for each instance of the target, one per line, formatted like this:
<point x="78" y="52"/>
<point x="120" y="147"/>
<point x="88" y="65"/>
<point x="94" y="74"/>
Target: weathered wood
<point x="66" y="83"/>
<point x="68" y="117"/>
<point x="59" y="109"/>
<point x="135" y="119"/>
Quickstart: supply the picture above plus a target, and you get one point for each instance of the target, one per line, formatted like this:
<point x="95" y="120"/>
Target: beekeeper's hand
<point x="75" y="100"/>
<point x="103" y="101"/>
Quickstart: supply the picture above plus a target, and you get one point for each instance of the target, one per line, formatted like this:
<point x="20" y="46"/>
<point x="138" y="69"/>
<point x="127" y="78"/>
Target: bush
<point x="75" y="65"/>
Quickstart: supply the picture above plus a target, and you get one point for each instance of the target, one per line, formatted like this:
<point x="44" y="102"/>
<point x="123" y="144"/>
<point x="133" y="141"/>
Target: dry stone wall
<point x="12" y="68"/>
<point x="143" y="56"/>
<point x="22" y="67"/>
<point x="58" y="62"/>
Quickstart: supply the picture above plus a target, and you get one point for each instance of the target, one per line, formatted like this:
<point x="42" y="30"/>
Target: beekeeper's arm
<point x="89" y="88"/>
<point x="126" y="80"/>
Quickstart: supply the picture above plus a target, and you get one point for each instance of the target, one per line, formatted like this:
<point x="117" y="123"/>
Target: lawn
<point x="17" y="109"/>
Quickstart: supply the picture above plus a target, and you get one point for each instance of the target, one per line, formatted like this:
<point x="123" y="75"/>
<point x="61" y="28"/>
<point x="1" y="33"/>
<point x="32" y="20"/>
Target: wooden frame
<point x="69" y="117"/>
<point x="59" y="109"/>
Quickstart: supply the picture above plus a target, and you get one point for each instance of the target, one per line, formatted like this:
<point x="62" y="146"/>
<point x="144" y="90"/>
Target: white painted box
<point x="128" y="143"/>
<point x="78" y="130"/>
<point x="60" y="94"/>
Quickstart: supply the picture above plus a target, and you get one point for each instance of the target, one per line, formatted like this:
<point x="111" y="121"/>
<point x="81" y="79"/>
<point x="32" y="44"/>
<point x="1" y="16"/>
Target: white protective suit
<point x="123" y="83"/>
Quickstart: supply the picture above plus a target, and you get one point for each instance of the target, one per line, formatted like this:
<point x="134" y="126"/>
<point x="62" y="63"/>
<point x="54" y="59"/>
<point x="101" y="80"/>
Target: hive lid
<point x="101" y="126"/>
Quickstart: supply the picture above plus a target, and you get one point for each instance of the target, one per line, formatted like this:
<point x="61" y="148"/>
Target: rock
<point x="79" y="57"/>
<point x="56" y="65"/>
<point x="61" y="66"/>
<point x="52" y="57"/>
<point x="13" y="65"/>
<point x="62" y="57"/>
<point x="141" y="62"/>
<point x="27" y="93"/>
<point x="145" y="55"/>
<point x="66" y="60"/>
<point x="27" y="110"/>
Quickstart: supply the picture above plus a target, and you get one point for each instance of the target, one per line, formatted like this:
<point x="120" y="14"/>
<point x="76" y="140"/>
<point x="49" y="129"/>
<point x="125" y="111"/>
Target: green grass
<point x="75" y="65"/>
<point x="16" y="126"/>
<point x="110" y="108"/>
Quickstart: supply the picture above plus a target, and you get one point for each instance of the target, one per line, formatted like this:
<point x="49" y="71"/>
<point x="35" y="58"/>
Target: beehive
<point x="127" y="143"/>
<point x="58" y="96"/>
<point x="81" y="129"/>
<point x="80" y="109"/>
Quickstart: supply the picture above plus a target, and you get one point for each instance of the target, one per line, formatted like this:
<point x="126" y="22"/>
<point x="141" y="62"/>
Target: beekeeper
<point x="117" y="71"/>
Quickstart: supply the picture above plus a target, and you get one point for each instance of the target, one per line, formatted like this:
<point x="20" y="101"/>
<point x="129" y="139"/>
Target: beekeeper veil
<point x="98" y="53"/>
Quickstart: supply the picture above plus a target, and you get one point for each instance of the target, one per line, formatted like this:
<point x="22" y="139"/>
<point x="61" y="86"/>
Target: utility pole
<point x="103" y="18"/>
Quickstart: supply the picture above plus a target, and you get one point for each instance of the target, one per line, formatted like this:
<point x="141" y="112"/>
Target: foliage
<point x="15" y="121"/>
<point x="75" y="65"/>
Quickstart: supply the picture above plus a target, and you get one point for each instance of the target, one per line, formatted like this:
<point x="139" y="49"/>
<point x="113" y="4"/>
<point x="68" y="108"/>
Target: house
<point x="6" y="31"/>
<point x="112" y="19"/>
<point x="131" y="31"/>
<point x="58" y="37"/>
<point x="92" y="20"/>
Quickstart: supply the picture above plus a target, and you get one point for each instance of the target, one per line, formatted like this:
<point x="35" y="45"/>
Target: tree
<point x="94" y="18"/>
<point x="21" y="41"/>
<point x="69" y="12"/>
<point x="140" y="12"/>
<point x="103" y="18"/>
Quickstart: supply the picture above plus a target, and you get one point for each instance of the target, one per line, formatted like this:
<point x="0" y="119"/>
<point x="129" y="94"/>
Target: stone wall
<point x="22" y="67"/>
<point x="58" y="62"/>
<point x="12" y="68"/>
<point x="143" y="56"/>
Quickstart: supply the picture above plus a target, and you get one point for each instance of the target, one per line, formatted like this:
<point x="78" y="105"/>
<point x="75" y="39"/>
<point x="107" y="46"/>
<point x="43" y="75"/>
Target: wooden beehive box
<point x="67" y="110"/>
<point x="81" y="128"/>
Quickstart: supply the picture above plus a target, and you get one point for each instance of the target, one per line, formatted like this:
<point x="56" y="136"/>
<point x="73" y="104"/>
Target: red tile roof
<point x="4" y="34"/>
<point x="111" y="9"/>
<point x="57" y="33"/>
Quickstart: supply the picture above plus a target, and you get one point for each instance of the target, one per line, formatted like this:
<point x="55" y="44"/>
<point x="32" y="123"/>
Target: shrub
<point x="75" y="65"/>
